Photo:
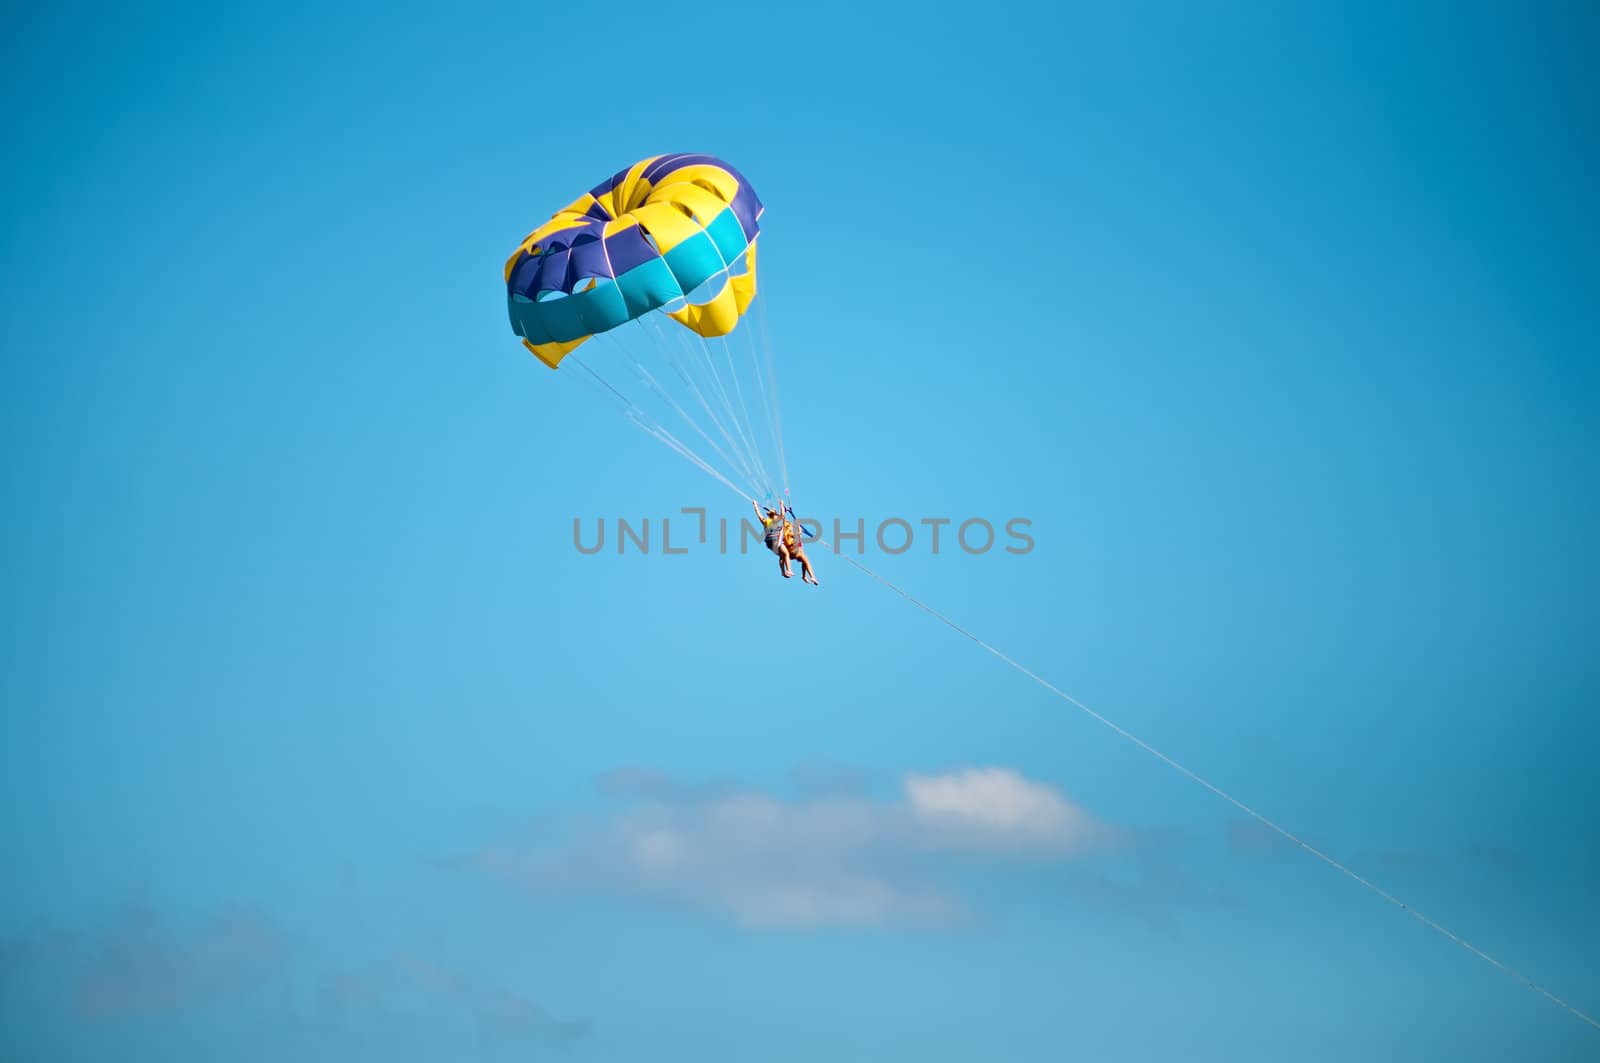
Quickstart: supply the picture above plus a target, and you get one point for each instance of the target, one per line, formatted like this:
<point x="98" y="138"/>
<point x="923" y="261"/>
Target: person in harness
<point x="782" y="539"/>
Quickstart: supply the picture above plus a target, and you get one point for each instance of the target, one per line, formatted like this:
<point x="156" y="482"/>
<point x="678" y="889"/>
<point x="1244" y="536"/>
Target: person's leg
<point x="783" y="561"/>
<point x="805" y="569"/>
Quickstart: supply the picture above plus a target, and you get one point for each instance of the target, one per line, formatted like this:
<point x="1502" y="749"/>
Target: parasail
<point x="642" y="241"/>
<point x="659" y="262"/>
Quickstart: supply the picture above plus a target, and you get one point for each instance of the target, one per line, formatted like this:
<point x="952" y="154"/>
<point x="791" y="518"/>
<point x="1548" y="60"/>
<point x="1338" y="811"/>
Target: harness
<point x="790" y="510"/>
<point x="786" y="528"/>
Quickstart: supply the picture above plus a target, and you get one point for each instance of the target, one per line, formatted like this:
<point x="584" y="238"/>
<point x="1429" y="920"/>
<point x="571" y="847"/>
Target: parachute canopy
<point x="644" y="240"/>
<point x="670" y="236"/>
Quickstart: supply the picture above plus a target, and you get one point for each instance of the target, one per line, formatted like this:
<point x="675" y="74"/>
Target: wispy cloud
<point x="830" y="856"/>
<point x="149" y="972"/>
<point x="1148" y="881"/>
<point x="140" y="967"/>
<point x="407" y="984"/>
<point x="1494" y="855"/>
<point x="992" y="808"/>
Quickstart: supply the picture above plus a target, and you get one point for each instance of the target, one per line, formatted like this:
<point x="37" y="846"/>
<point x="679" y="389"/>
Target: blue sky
<point x="321" y="741"/>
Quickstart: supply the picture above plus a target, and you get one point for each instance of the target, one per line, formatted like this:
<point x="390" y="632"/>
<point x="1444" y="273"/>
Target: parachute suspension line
<point x="652" y="427"/>
<point x="671" y="441"/>
<point x="755" y="447"/>
<point x="680" y="366"/>
<point x="1219" y="792"/>
<point x="655" y="386"/>
<point x="737" y="459"/>
<point x="766" y="397"/>
<point x="688" y="356"/>
<point x="745" y="427"/>
<point x="765" y="384"/>
<point x="667" y="437"/>
<point x="733" y="412"/>
<point x="732" y="415"/>
<point x="772" y="392"/>
<point x="748" y="431"/>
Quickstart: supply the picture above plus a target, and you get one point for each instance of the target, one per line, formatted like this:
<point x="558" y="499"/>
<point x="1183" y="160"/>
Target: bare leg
<point x="783" y="561"/>
<point x="805" y="569"/>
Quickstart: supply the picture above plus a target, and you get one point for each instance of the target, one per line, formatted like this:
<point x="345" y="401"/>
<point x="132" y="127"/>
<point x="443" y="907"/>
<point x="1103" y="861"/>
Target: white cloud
<point x="825" y="858"/>
<point x="997" y="807"/>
